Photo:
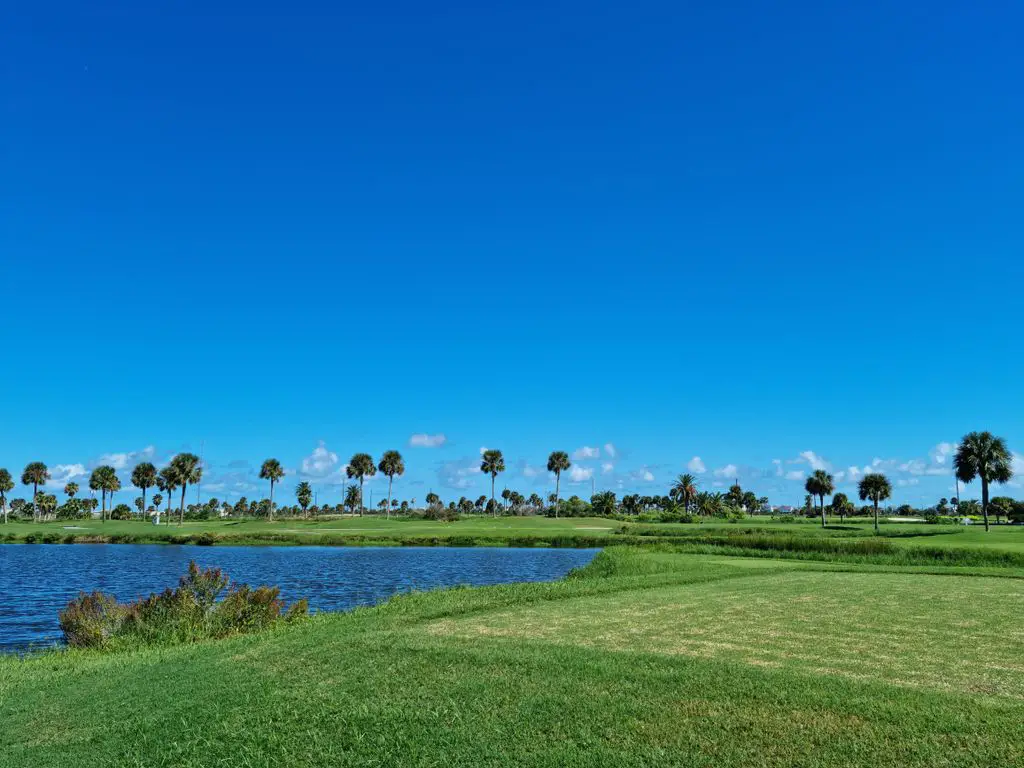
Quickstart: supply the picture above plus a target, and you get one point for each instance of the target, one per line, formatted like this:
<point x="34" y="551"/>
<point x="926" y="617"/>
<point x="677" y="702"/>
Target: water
<point x="37" y="580"/>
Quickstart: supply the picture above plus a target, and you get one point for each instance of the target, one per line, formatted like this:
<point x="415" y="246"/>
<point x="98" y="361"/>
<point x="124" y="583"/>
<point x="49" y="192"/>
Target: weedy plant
<point x="205" y="605"/>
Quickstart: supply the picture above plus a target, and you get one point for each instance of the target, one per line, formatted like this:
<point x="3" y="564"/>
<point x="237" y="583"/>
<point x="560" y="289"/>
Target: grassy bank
<point x="347" y="531"/>
<point x="646" y="657"/>
<point x="856" y="542"/>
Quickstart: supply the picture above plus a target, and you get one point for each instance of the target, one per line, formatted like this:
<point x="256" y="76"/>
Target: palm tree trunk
<point x="388" y="511"/>
<point x="362" y="505"/>
<point x="876" y="515"/>
<point x="181" y="507"/>
<point x="558" y="479"/>
<point x="271" y="499"/>
<point x="494" y="511"/>
<point x="35" y="502"/>
<point x="984" y="501"/>
<point x="168" y="507"/>
<point x="143" y="503"/>
<point x="822" y="497"/>
<point x="103" y="505"/>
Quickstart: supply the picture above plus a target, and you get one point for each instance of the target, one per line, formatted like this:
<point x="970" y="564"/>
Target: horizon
<point x="663" y="239"/>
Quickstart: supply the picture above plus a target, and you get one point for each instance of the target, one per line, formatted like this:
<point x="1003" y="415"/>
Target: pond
<point x="39" y="579"/>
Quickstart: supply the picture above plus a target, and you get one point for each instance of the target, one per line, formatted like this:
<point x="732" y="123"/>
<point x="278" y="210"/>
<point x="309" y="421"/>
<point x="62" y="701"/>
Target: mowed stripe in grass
<point x="942" y="632"/>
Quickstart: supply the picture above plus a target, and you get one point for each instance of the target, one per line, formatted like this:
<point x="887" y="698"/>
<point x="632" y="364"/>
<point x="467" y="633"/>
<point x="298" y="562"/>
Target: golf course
<point x="666" y="653"/>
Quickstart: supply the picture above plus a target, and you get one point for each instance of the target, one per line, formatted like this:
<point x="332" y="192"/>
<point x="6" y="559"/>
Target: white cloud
<point x="607" y="467"/>
<point x="121" y="461"/>
<point x="459" y="474"/>
<point x="1017" y="467"/>
<point x="423" y="440"/>
<point x="610" y="450"/>
<point x="321" y="462"/>
<point x="796" y="474"/>
<point x="586" y="452"/>
<point x="696" y="465"/>
<point x="853" y="473"/>
<point x="729" y="470"/>
<point x="777" y="463"/>
<point x="62" y="474"/>
<point x="815" y="461"/>
<point x="237" y="480"/>
<point x="941" y="452"/>
<point x="642" y="475"/>
<point x="578" y="474"/>
<point x="918" y="467"/>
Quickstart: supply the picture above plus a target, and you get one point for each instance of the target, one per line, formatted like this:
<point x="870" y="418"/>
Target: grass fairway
<point x="646" y="658"/>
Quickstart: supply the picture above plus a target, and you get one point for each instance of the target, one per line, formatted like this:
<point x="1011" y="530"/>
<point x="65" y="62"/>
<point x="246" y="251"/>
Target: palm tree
<point x="167" y="481"/>
<point x="35" y="474"/>
<point x="708" y="504"/>
<point x="820" y="484"/>
<point x="113" y="485"/>
<point x="684" y="489"/>
<point x="840" y="505"/>
<point x="391" y="464"/>
<point x="304" y="495"/>
<point x="492" y="463"/>
<point x="96" y="484"/>
<point x="70" y="490"/>
<point x="6" y="486"/>
<point x="187" y="469"/>
<point x="104" y="479"/>
<point x="144" y="476"/>
<point x="272" y="471"/>
<point x="352" y="497"/>
<point x="361" y="465"/>
<point x="982" y="454"/>
<point x="506" y="494"/>
<point x="558" y="462"/>
<point x="876" y="487"/>
<point x="157" y="501"/>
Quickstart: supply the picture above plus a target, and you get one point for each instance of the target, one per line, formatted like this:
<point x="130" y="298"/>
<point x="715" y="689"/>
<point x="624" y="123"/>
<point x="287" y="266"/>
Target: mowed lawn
<point x="957" y="633"/>
<point x="647" y="658"/>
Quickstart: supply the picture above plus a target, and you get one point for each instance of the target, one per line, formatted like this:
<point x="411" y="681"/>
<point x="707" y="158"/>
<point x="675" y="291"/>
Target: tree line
<point x="979" y="455"/>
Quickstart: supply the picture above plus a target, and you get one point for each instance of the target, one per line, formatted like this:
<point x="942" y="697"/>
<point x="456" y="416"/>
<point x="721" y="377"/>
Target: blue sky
<point x="773" y="238"/>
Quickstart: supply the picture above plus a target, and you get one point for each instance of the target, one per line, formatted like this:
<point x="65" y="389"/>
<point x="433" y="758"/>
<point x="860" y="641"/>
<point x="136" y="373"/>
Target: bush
<point x="441" y="513"/>
<point x="121" y="512"/>
<point x="205" y="605"/>
<point x="92" y="620"/>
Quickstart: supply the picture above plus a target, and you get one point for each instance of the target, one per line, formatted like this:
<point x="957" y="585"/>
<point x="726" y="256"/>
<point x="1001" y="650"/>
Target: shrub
<point x="91" y="620"/>
<point x="121" y="512"/>
<point x="439" y="512"/>
<point x="205" y="605"/>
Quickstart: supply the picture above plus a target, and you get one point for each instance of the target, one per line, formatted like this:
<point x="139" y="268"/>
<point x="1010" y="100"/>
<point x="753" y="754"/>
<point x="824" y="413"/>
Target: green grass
<point x="646" y="657"/>
<point x="344" y="530"/>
